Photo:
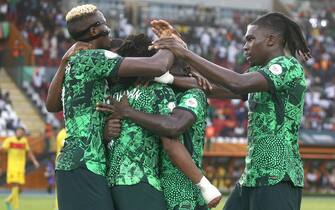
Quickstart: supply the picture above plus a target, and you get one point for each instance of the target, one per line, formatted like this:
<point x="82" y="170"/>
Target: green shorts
<point x="81" y="189"/>
<point x="141" y="196"/>
<point x="282" y="196"/>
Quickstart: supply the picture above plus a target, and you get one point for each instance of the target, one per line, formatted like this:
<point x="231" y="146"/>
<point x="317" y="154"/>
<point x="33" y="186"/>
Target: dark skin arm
<point x="239" y="84"/>
<point x="54" y="98"/>
<point x="153" y="66"/>
<point x="172" y="126"/>
<point x="179" y="155"/>
<point x="212" y="90"/>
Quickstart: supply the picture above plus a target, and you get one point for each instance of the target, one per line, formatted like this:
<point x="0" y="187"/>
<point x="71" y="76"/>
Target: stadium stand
<point x="9" y="120"/>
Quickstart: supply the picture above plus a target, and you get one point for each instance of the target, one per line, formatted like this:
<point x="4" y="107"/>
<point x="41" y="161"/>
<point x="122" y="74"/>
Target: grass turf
<point x="46" y="202"/>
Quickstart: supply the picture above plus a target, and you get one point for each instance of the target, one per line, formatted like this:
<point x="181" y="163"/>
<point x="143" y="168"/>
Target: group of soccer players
<point x="143" y="150"/>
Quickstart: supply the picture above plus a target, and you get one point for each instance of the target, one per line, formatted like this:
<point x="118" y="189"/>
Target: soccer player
<point x="273" y="176"/>
<point x="190" y="113"/>
<point x="133" y="160"/>
<point x="17" y="148"/>
<point x="81" y="165"/>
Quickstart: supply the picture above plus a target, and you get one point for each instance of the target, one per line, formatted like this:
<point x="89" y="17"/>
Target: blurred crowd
<point x="9" y="121"/>
<point x="225" y="172"/>
<point x="43" y="25"/>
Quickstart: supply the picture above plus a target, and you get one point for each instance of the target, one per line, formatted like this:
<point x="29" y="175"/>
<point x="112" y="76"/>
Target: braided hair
<point x="136" y="46"/>
<point x="289" y="30"/>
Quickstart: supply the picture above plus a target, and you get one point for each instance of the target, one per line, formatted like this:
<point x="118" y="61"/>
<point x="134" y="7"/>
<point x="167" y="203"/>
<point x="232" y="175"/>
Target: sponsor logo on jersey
<point x="17" y="146"/>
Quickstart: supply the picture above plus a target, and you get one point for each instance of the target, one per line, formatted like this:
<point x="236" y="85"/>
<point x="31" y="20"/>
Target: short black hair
<point x="289" y="30"/>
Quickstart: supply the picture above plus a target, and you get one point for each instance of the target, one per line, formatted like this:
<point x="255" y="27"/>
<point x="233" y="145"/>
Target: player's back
<point x="134" y="155"/>
<point x="85" y="85"/>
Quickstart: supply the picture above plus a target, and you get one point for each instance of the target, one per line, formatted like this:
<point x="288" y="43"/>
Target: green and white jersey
<point x="274" y="122"/>
<point x="134" y="156"/>
<point x="179" y="191"/>
<point x="85" y="85"/>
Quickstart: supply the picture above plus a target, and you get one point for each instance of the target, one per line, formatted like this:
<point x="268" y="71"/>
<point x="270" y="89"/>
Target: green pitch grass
<point x="46" y="202"/>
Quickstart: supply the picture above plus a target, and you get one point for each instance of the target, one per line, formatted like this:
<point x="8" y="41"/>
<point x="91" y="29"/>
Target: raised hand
<point x="163" y="29"/>
<point x="177" y="48"/>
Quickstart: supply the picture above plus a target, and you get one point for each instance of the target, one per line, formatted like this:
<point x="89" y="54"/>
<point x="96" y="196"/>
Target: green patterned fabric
<point x="179" y="190"/>
<point x="84" y="85"/>
<point x="274" y="122"/>
<point x="134" y="156"/>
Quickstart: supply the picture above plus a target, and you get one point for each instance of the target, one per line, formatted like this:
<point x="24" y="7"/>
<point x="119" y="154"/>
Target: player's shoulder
<point x="11" y="138"/>
<point x="197" y="92"/>
<point x="160" y="87"/>
<point x="162" y="91"/>
<point x="284" y="63"/>
<point x="93" y="54"/>
<point x="254" y="69"/>
<point x="24" y="139"/>
<point x="193" y="98"/>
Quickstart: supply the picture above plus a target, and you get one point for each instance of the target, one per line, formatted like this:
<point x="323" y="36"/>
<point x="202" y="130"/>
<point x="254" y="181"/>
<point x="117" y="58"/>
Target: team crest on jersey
<point x="171" y="106"/>
<point x="276" y="69"/>
<point x="110" y="55"/>
<point x="191" y="102"/>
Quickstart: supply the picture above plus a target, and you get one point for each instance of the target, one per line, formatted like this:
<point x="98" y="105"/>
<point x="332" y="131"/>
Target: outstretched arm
<point x="237" y="83"/>
<point x="169" y="125"/>
<point x="153" y="66"/>
<point x="212" y="90"/>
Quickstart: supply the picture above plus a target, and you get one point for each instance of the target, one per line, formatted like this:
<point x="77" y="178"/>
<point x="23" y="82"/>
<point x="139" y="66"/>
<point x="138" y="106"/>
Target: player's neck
<point x="274" y="54"/>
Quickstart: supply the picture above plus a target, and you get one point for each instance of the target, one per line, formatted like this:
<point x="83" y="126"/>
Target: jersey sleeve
<point x="194" y="101"/>
<point x="279" y="73"/>
<point x="166" y="100"/>
<point x="100" y="64"/>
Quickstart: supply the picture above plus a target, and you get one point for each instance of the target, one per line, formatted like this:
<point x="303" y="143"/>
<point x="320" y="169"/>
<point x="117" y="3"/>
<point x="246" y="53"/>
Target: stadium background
<point x="33" y="38"/>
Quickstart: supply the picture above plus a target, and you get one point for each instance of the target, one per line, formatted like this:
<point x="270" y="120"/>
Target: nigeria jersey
<point x="134" y="155"/>
<point x="179" y="190"/>
<point x="274" y="121"/>
<point x="85" y="85"/>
